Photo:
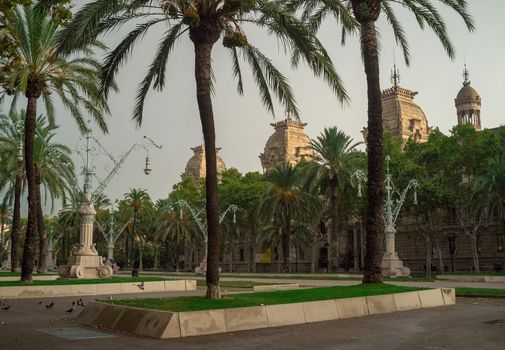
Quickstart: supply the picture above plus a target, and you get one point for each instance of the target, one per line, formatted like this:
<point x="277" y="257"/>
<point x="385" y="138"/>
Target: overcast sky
<point x="242" y="123"/>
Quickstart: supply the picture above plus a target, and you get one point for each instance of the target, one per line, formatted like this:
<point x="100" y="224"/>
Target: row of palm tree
<point x="51" y="66"/>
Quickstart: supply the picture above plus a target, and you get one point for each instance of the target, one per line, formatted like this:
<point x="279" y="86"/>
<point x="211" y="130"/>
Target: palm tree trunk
<point x="428" y="257"/>
<point x="132" y="247"/>
<point x="141" y="256"/>
<point x="375" y="145"/>
<point x="167" y="254"/>
<point x="475" y="253"/>
<point x="252" y="249"/>
<point x="42" y="265"/>
<point x="285" y="243"/>
<point x="204" y="36"/>
<point x="29" y="246"/>
<point x="16" y="221"/>
<point x="333" y="253"/>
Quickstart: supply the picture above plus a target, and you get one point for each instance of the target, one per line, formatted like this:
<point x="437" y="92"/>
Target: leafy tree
<point x="286" y="200"/>
<point x="363" y="15"/>
<point x="335" y="162"/>
<point x="44" y="72"/>
<point x="5" y="215"/>
<point x="205" y="22"/>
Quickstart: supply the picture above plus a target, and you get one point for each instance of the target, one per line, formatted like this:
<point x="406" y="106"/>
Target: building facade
<point x="468" y="104"/>
<point x="195" y="167"/>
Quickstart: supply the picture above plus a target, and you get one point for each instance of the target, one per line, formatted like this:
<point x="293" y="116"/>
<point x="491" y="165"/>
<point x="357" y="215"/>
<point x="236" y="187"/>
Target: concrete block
<point x="407" y="301"/>
<point x="285" y="314"/>
<point x="352" y="307"/>
<point x="246" y="318"/>
<point x="129" y="320"/>
<point x="10" y="292"/>
<point x="449" y="296"/>
<point x="108" y="288"/>
<point x="31" y="292"/>
<point x="317" y="311"/>
<point x="175" y="286"/>
<point x="83" y="289"/>
<point x="276" y="287"/>
<point x="190" y="285"/>
<point x="88" y="314"/>
<point x="157" y="324"/>
<point x="131" y="287"/>
<point x="202" y="322"/>
<point x="108" y="316"/>
<point x="155" y="286"/>
<point x="58" y="291"/>
<point x="380" y="304"/>
<point x="431" y="298"/>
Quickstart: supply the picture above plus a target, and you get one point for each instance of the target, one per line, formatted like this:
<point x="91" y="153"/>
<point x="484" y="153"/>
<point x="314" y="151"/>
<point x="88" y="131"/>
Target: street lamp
<point x="395" y="198"/>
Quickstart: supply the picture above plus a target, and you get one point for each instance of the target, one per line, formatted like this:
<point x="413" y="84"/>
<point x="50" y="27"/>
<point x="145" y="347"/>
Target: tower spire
<point x="466" y="76"/>
<point x="395" y="76"/>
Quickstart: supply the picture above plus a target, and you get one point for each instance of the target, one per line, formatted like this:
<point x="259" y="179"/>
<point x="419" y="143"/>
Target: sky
<point x="243" y="124"/>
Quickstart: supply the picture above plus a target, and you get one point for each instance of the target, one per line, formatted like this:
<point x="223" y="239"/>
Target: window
<point x="301" y="254"/>
<point x="242" y="258"/>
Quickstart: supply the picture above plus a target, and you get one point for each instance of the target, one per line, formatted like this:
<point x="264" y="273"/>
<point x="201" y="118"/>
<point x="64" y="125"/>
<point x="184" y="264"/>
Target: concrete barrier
<point x="22" y="292"/>
<point x="473" y="278"/>
<point x="35" y="278"/>
<point x="166" y="324"/>
<point x="272" y="287"/>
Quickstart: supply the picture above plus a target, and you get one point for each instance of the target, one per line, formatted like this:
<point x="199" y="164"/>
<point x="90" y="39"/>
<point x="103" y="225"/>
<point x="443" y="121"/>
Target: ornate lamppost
<point x="112" y="235"/>
<point x="391" y="264"/>
<point x="85" y="263"/>
<point x="201" y="222"/>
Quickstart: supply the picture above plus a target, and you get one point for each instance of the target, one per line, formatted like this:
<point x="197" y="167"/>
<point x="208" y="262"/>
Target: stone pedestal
<point x="110" y="252"/>
<point x="391" y="265"/>
<point x="85" y="263"/>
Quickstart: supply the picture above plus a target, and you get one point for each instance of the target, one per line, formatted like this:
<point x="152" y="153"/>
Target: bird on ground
<point x="70" y="310"/>
<point x="141" y="285"/>
<point x="73" y="303"/>
<point x="40" y="302"/>
<point x="5" y="308"/>
<point x="50" y="305"/>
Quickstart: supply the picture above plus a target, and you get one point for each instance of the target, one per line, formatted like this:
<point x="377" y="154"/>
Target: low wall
<point x="165" y="324"/>
<point x="22" y="292"/>
<point x="473" y="278"/>
<point x="271" y="287"/>
<point x="35" y="278"/>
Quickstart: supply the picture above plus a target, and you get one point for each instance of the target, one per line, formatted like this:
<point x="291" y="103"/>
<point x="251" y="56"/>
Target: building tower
<point x="468" y="103"/>
<point x="401" y="116"/>
<point x="196" y="164"/>
<point x="288" y="144"/>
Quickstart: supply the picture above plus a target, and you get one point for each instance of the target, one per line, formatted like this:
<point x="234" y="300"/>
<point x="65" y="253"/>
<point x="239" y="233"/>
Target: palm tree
<point x="5" y="215"/>
<point x="173" y="227"/>
<point x="137" y="200"/>
<point x="43" y="72"/>
<point x="286" y="199"/>
<point x="53" y="166"/>
<point x="363" y="15"/>
<point x="335" y="161"/>
<point x="205" y="22"/>
<point x="12" y="178"/>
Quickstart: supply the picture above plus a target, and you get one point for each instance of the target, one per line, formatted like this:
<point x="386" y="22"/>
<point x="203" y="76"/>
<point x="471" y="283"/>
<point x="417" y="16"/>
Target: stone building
<point x="196" y="164"/>
<point x="401" y="116"/>
<point x="288" y="144"/>
<point x="468" y="104"/>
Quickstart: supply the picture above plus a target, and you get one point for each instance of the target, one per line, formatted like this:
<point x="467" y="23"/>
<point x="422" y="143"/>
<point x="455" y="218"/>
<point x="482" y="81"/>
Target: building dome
<point x="196" y="164"/>
<point x="288" y="144"/>
<point x="467" y="94"/>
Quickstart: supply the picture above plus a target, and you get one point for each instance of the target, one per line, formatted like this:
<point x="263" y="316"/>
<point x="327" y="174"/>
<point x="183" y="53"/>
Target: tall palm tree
<point x="335" y="161"/>
<point x="363" y="15"/>
<point x="43" y="72"/>
<point x="205" y="22"/>
<point x="12" y="178"/>
<point x="286" y="199"/>
<point x="53" y="166"/>
<point x="137" y="199"/>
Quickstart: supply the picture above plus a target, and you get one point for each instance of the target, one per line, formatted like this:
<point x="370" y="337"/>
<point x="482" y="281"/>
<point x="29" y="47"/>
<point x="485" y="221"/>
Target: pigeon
<point x="70" y="310"/>
<point x="80" y="302"/>
<point x="73" y="303"/>
<point x="50" y="305"/>
<point x="5" y="308"/>
<point x="141" y="285"/>
<point x="40" y="302"/>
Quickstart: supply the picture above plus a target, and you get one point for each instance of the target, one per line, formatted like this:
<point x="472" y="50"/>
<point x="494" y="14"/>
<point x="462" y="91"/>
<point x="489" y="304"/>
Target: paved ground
<point x="472" y="324"/>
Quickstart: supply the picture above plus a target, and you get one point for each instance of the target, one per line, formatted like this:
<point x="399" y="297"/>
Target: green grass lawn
<point x="78" y="281"/>
<point x="236" y="284"/>
<point x="265" y="298"/>
<point x="480" y="292"/>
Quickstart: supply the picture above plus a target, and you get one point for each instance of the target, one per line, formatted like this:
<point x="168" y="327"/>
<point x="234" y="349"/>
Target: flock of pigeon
<point x="75" y="303"/>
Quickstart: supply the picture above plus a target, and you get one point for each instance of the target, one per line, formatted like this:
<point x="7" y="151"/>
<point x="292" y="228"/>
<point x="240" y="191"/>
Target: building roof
<point x="196" y="164"/>
<point x="467" y="94"/>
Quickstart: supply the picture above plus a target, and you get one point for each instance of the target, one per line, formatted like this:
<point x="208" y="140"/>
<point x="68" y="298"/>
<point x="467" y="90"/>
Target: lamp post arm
<point x="115" y="238"/>
<point x="196" y="217"/>
<point x="232" y="207"/>
<point x="412" y="184"/>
